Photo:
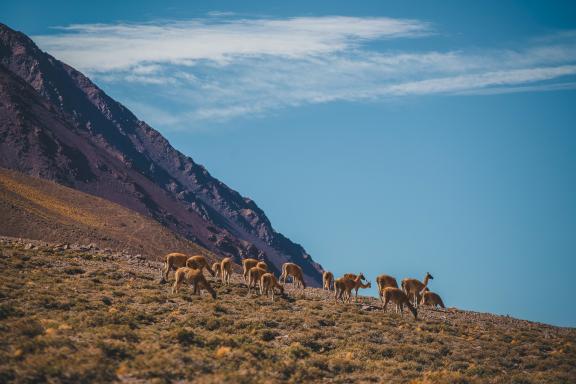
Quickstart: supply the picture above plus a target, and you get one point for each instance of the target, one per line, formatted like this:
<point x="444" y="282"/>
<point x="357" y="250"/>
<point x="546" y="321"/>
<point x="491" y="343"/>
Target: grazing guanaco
<point x="344" y="285"/>
<point x="173" y="261"/>
<point x="431" y="298"/>
<point x="384" y="281"/>
<point x="268" y="283"/>
<point x="398" y="297"/>
<point x="294" y="270"/>
<point x="248" y="264"/>
<point x="226" y="270"/>
<point x="327" y="280"/>
<point x="414" y="287"/>
<point x="254" y="275"/>
<point x="216" y="269"/>
<point x="193" y="276"/>
<point x="199" y="262"/>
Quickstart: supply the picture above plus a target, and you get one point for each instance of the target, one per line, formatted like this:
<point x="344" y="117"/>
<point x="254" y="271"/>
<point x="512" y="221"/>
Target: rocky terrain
<point x="78" y="314"/>
<point x="58" y="125"/>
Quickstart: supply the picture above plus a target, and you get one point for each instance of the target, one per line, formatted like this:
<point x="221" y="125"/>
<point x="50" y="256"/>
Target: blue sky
<point x="386" y="137"/>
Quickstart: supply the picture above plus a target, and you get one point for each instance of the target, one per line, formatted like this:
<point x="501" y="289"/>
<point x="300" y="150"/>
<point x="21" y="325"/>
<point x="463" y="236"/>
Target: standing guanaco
<point x="248" y="264"/>
<point x="173" y="261"/>
<point x="414" y="287"/>
<point x="216" y="269"/>
<point x="398" y="297"/>
<point x="226" y="270"/>
<point x="195" y="278"/>
<point x="344" y="285"/>
<point x="268" y="283"/>
<point x="431" y="298"/>
<point x="199" y="262"/>
<point x="254" y="275"/>
<point x="358" y="284"/>
<point x="294" y="270"/>
<point x="327" y="280"/>
<point x="383" y="281"/>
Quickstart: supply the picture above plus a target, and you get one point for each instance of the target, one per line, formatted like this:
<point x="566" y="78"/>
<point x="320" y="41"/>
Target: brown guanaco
<point x="216" y="269"/>
<point x="199" y="262"/>
<point x="268" y="283"/>
<point x="398" y="297"/>
<point x="384" y="281"/>
<point x="226" y="270"/>
<point x="431" y="298"/>
<point x="358" y="284"/>
<point x="248" y="264"/>
<point x="344" y="285"/>
<point x="294" y="270"/>
<point x="327" y="280"/>
<point x="254" y="275"/>
<point x="414" y="287"/>
<point x="173" y="261"/>
<point x="193" y="276"/>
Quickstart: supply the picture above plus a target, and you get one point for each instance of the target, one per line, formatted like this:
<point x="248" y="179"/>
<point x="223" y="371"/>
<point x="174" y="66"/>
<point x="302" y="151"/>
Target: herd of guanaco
<point x="189" y="269"/>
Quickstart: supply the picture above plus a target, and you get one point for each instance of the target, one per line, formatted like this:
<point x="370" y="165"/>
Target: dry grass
<point x="68" y="316"/>
<point x="40" y="209"/>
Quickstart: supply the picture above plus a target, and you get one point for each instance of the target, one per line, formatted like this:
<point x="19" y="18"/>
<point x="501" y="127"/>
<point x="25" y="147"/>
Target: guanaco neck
<point x="426" y="279"/>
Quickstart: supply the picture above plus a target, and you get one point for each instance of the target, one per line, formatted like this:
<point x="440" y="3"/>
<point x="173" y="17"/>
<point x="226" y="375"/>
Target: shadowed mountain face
<point x="56" y="124"/>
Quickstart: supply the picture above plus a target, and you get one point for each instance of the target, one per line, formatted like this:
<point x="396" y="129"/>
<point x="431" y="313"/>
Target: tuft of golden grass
<point x="111" y="320"/>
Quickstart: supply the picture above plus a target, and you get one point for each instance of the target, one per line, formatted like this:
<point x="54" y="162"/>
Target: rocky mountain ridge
<point x="57" y="124"/>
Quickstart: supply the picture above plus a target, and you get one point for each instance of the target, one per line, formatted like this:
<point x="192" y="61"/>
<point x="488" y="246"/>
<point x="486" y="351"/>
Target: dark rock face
<point x="56" y="124"/>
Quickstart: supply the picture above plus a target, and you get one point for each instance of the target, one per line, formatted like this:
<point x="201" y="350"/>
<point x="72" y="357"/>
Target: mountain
<point x="40" y="209"/>
<point x="58" y="125"/>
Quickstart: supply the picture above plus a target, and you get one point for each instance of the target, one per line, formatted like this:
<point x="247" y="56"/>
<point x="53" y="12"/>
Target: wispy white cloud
<point x="104" y="47"/>
<point x="222" y="67"/>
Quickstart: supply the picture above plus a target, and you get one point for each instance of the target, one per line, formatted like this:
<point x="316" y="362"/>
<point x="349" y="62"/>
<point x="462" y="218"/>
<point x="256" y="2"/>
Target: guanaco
<point x="398" y="297"/>
<point x="344" y="285"/>
<point x="247" y="264"/>
<point x="216" y="269"/>
<point x="384" y="281"/>
<point x="262" y="265"/>
<point x="199" y="262"/>
<point x="414" y="287"/>
<point x="254" y="275"/>
<point x="173" y="261"/>
<point x="193" y="276"/>
<point x="359" y="284"/>
<point x="294" y="270"/>
<point x="431" y="298"/>
<point x="226" y="270"/>
<point x="327" y="280"/>
<point x="268" y="283"/>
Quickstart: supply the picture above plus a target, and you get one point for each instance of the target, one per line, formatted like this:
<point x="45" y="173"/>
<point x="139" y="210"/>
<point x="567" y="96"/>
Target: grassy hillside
<point x="40" y="209"/>
<point x="70" y="316"/>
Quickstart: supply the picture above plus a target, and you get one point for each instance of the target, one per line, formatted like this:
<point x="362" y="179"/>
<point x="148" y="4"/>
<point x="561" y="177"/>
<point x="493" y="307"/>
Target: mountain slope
<point x="75" y="317"/>
<point x="58" y="125"/>
<point x="39" y="209"/>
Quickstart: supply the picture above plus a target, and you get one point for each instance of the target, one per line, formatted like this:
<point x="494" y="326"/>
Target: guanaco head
<point x="361" y="275"/>
<point x="429" y="276"/>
